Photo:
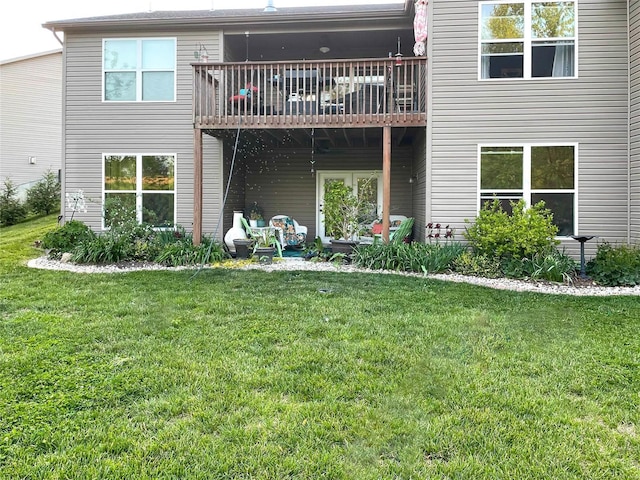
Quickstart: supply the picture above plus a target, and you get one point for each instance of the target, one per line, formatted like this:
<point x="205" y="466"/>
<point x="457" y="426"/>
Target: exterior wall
<point x="590" y="110"/>
<point x="280" y="180"/>
<point x="634" y="140"/>
<point x="418" y="187"/>
<point x="30" y="117"/>
<point x="94" y="127"/>
<point x="235" y="197"/>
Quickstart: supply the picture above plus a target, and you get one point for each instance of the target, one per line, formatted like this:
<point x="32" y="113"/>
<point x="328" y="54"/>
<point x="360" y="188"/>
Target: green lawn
<point x="306" y="375"/>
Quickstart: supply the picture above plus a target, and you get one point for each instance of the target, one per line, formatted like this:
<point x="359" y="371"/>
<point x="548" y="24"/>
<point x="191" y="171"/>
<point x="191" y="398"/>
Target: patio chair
<point x="290" y="232"/>
<point x="248" y="96"/>
<point x="396" y="223"/>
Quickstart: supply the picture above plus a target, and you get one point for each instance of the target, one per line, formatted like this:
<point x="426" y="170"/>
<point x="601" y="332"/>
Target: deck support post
<point x="386" y="182"/>
<point x="197" y="186"/>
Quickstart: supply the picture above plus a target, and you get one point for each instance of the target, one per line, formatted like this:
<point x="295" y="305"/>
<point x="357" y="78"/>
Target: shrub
<point x="414" y="257"/>
<point x="477" y="265"/>
<point x="44" y="197"/>
<point x="553" y="266"/>
<point x="316" y="251"/>
<point x="66" y="238"/>
<point x="345" y="213"/>
<point x="523" y="234"/>
<point x="107" y="248"/>
<point x="125" y="239"/>
<point x="183" y="252"/>
<point x="12" y="210"/>
<point x="120" y="213"/>
<point x="615" y="265"/>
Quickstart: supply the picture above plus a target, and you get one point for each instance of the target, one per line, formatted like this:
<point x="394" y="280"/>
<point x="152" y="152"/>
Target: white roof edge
<point x="31" y="56"/>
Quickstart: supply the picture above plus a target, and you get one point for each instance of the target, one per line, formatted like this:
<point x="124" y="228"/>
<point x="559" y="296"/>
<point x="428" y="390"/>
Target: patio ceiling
<point x="306" y="45"/>
<point x="324" y="139"/>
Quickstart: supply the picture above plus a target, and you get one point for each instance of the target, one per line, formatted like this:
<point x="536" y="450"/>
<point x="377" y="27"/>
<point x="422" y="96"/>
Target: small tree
<point x="44" y="196"/>
<point x="345" y="212"/>
<point x="12" y="210"/>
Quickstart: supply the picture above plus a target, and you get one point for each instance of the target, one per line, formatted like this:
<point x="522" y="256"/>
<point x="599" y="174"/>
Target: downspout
<point x="63" y="133"/>
<point x="53" y="30"/>
<point x="628" y="123"/>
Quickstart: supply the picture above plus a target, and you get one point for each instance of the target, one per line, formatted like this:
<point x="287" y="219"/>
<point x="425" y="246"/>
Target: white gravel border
<point x="289" y="264"/>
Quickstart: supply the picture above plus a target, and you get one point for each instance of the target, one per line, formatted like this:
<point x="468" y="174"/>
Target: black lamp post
<point x="582" y="239"/>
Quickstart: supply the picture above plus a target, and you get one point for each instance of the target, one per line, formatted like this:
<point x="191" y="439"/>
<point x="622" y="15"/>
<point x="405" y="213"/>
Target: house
<point x="30" y="118"/>
<point x="184" y="112"/>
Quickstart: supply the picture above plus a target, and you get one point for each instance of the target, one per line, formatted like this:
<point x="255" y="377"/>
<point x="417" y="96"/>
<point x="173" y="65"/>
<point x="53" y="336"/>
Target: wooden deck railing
<point x="338" y="93"/>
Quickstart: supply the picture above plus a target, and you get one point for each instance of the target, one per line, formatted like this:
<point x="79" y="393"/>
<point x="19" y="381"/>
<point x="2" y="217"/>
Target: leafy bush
<point x="182" y="251"/>
<point x="414" y="257"/>
<point x="477" y="265"/>
<point x="615" y="265"/>
<point x="44" y="197"/>
<point x="12" y="210"/>
<point x="316" y="251"/>
<point x="120" y="213"/>
<point x="125" y="239"/>
<point x="107" y="248"/>
<point x="523" y="234"/>
<point x="66" y="238"/>
<point x="552" y="266"/>
<point x="346" y="213"/>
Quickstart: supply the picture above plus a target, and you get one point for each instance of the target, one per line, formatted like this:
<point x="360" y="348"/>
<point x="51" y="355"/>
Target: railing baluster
<point x="319" y="93"/>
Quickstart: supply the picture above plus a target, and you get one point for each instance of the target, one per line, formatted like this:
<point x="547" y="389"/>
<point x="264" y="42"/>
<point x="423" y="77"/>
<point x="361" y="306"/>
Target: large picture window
<point x="527" y="39"/>
<point x="532" y="172"/>
<point x="145" y="184"/>
<point x="139" y="70"/>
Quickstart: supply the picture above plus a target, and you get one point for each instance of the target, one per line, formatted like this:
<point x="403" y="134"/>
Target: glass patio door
<point x="354" y="179"/>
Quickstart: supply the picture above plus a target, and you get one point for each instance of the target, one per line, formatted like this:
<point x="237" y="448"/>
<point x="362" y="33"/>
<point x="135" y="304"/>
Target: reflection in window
<point x="534" y="173"/>
<point x="149" y="181"/>
<point x="550" y="31"/>
<point x="139" y="69"/>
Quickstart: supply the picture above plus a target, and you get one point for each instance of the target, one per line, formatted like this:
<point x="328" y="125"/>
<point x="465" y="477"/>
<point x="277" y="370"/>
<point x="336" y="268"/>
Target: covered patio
<point x="286" y="125"/>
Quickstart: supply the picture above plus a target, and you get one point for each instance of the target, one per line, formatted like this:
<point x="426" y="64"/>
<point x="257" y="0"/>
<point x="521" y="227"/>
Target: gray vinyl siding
<point x="634" y="140"/>
<point x="236" y="194"/>
<point x="94" y="127"/>
<point x="30" y="117"/>
<point x="590" y="110"/>
<point x="281" y="181"/>
<point x="418" y="187"/>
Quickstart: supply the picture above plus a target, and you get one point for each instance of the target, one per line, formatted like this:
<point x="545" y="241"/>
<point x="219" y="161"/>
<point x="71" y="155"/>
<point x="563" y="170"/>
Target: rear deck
<point x="308" y="94"/>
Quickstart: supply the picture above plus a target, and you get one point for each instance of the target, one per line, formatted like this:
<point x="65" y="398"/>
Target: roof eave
<point x="270" y="19"/>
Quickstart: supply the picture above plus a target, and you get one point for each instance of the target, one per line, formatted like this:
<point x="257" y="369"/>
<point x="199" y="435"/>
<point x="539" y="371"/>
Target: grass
<point x="307" y="375"/>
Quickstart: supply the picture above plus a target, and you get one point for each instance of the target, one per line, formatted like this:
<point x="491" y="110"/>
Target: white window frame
<point x="528" y="41"/>
<point x="139" y="70"/>
<point x="139" y="191"/>
<point x="526" y="189"/>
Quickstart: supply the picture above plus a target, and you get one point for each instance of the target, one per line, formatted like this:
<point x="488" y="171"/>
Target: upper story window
<point x="139" y="70"/>
<point x="527" y="39"/>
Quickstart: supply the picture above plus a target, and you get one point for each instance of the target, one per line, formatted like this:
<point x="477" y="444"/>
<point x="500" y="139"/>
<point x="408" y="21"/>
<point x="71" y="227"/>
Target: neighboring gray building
<point x="514" y="99"/>
<point x="30" y="117"/>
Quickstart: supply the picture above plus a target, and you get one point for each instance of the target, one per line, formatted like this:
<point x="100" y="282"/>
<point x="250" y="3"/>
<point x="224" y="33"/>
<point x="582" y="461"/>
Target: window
<point x="143" y="182"/>
<point x="139" y="70"/>
<point x="532" y="172"/>
<point x="527" y="39"/>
